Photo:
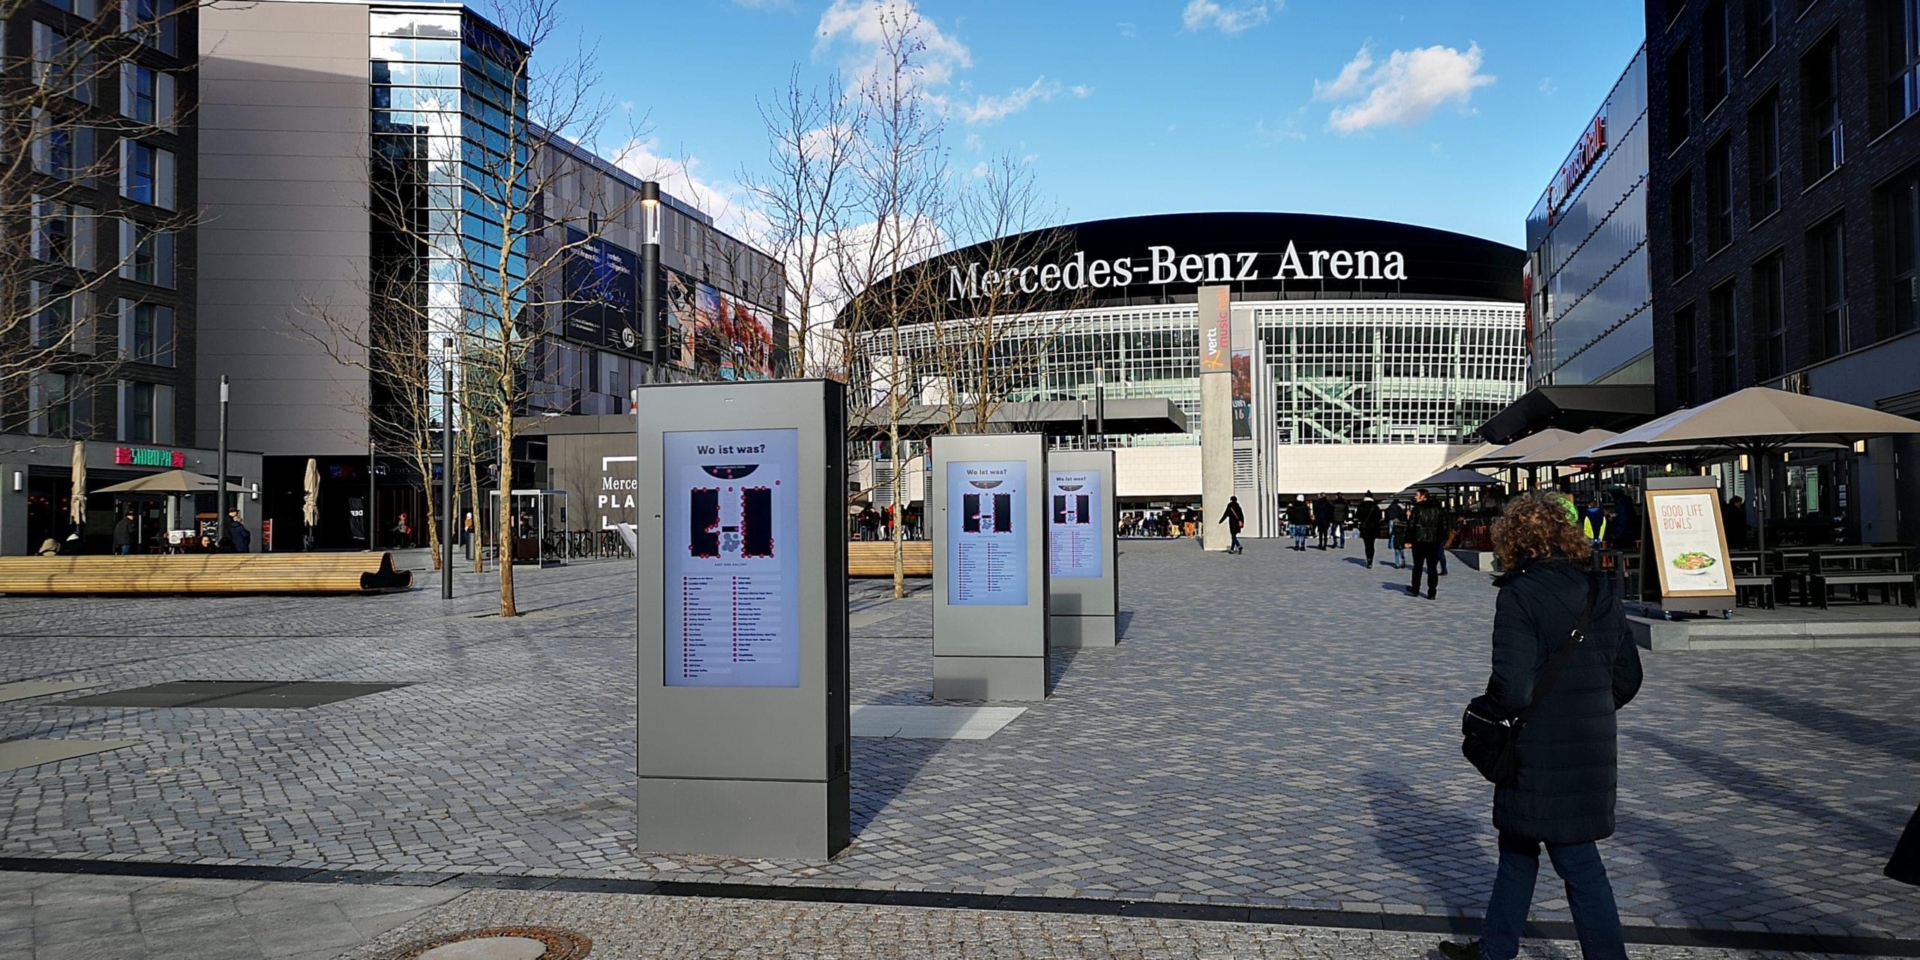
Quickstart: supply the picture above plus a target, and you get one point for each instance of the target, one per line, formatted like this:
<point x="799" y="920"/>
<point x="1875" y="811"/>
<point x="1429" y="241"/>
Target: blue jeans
<point x="1340" y="535"/>
<point x="1596" y="920"/>
<point x="1300" y="535"/>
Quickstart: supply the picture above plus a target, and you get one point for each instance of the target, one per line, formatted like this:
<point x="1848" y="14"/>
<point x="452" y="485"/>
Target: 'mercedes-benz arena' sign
<point x="1166" y="265"/>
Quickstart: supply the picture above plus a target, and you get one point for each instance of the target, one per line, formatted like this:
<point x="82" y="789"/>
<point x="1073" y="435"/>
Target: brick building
<point x="1784" y="215"/>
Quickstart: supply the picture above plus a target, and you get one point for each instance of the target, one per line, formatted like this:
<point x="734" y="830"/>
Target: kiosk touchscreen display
<point x="732" y="558"/>
<point x="1076" y="531"/>
<point x="987" y="533"/>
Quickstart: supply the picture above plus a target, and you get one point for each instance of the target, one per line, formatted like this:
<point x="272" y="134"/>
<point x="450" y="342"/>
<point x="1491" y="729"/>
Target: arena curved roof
<point x="1165" y="258"/>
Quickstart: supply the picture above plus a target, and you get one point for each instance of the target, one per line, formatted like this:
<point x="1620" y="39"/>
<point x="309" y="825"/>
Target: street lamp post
<point x="650" y="275"/>
<point x="367" y="514"/>
<point x="220" y="481"/>
<point x="452" y="523"/>
<point x="1100" y="402"/>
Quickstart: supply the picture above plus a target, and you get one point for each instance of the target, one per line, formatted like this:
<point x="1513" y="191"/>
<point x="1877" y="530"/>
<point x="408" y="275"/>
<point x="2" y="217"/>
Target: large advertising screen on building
<point x="987" y="533"/>
<point x="732" y="559"/>
<point x="602" y="282"/>
<point x="1076" y="525"/>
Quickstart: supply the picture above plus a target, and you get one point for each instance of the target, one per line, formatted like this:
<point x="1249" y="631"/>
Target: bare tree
<point x="804" y="200"/>
<point x="900" y="196"/>
<point x="75" y="120"/>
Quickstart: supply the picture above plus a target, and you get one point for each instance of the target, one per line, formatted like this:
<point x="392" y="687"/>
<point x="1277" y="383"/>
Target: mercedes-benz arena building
<point x="1364" y="355"/>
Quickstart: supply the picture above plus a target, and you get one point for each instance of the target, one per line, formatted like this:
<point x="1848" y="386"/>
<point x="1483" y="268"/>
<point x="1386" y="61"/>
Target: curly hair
<point x="1536" y="526"/>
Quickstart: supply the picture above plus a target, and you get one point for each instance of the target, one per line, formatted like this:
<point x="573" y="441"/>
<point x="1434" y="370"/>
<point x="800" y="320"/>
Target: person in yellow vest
<point x="1594" y="524"/>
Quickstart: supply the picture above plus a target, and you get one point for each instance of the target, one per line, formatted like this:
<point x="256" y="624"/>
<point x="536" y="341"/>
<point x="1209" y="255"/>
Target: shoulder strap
<point x="1551" y="671"/>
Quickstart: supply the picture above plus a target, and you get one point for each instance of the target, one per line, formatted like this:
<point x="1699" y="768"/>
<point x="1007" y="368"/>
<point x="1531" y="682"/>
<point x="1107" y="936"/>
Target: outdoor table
<point x="1753" y="577"/>
<point x="1848" y="558"/>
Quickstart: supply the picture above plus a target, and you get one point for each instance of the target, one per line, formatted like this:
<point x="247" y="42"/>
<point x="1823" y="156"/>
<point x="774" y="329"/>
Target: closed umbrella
<point x="1760" y="421"/>
<point x="77" y="504"/>
<point x="310" y="507"/>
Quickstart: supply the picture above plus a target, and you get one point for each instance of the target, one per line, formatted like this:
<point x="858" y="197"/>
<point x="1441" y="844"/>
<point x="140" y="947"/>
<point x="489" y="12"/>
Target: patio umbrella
<point x="1557" y="454"/>
<point x="1760" y="421"/>
<point x="1456" y="477"/>
<point x="172" y="481"/>
<point x="310" y="506"/>
<point x="1519" y="448"/>
<point x="77" y="503"/>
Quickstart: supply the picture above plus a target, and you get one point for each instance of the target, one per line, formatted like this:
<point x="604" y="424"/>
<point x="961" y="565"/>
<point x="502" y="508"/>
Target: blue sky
<point x="1448" y="114"/>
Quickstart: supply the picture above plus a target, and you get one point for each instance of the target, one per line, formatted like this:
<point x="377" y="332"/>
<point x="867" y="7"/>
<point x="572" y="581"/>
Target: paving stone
<point x="1275" y="729"/>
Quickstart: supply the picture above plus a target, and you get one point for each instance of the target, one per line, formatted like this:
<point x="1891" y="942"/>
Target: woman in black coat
<point x="1368" y="519"/>
<point x="1567" y="757"/>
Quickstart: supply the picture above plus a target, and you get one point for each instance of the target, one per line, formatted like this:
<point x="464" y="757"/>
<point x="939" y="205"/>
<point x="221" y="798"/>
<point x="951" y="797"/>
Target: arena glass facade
<point x="1360" y="383"/>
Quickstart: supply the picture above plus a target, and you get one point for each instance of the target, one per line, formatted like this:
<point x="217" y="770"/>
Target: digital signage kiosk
<point x="989" y="567"/>
<point x="1084" y="595"/>
<point x="741" y="558"/>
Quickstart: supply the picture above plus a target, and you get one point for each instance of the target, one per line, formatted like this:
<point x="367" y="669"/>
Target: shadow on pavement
<point x="1434" y="841"/>
<point x="882" y="769"/>
<point x="1765" y="789"/>
<point x="1873" y="734"/>
<point x="1687" y="863"/>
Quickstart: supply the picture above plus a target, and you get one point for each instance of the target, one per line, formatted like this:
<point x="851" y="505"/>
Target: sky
<point x="1446" y="114"/>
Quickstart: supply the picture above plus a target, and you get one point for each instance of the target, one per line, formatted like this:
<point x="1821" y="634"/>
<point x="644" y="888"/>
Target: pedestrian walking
<point x="1566" y="755"/>
<point x="1426" y="536"/>
<point x="125" y="531"/>
<point x="1397" y="533"/>
<point x="239" y="538"/>
<point x="1322" y="517"/>
<point x="1340" y="517"/>
<point x="1234" y="518"/>
<point x="1300" y="518"/>
<point x="1368" y="520"/>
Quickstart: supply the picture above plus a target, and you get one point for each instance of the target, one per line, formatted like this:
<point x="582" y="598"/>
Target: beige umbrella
<point x="172" y="481"/>
<point x="310" y="507"/>
<point x="77" y="504"/>
<point x="1519" y="448"/>
<point x="1556" y="454"/>
<point x="1759" y="421"/>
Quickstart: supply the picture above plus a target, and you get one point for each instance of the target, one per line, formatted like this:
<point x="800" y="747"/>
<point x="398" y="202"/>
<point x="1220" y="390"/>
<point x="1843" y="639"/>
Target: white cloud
<point x="1548" y="87"/>
<point x="720" y="199"/>
<point x="860" y="29"/>
<point x="991" y="109"/>
<point x="1229" y="18"/>
<point x="980" y="171"/>
<point x="1127" y="29"/>
<point x="1285" y="131"/>
<point x="1404" y="90"/>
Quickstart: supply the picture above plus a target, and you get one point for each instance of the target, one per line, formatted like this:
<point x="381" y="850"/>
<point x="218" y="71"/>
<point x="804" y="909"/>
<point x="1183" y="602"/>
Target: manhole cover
<point x="501" y="943"/>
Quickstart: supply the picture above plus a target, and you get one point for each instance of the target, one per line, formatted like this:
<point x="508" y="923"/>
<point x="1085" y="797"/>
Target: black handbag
<point x="1491" y="742"/>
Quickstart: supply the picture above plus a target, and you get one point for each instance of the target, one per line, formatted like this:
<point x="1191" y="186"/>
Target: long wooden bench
<point x="213" y="573"/>
<point x="874" y="558"/>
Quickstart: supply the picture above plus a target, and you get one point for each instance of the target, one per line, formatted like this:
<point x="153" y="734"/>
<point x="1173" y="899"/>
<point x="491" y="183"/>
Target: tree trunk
<point x="507" y="535"/>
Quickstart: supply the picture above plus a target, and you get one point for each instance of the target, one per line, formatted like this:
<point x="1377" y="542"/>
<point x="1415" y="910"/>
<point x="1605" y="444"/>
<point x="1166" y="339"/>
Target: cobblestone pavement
<point x="81" y="917"/>
<point x="1275" y="729"/>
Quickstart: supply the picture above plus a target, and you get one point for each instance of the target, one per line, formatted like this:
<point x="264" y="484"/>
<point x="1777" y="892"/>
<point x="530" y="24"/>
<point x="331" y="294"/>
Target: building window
<point x="1770" y="316"/>
<point x="1826" y="132"/>
<point x="1900" y="26"/>
<point x="1714" y="46"/>
<point x="62" y="233"/>
<point x="147" y="174"/>
<point x="146" y="254"/>
<point x="152" y="22"/>
<point x="1680" y="212"/>
<point x="1900" y="205"/>
<point x="1723" y="330"/>
<point x="1720" y="194"/>
<point x="146" y="412"/>
<point x="52" y="306"/>
<point x="146" y="95"/>
<point x="56" y="67"/>
<point x="1827" y="289"/>
<point x="1763" y="157"/>
<point x="1760" y="32"/>
<point x="1686" y="355"/>
<point x="50" y="402"/>
<point x="146" y="333"/>
<point x="60" y="151"/>
<point x="1679" y="98"/>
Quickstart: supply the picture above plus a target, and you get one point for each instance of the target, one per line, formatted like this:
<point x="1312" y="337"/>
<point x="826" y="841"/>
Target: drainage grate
<point x="247" y="694"/>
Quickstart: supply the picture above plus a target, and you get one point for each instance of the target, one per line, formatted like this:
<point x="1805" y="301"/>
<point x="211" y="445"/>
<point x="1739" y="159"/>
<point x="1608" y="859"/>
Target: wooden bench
<point x="874" y="558"/>
<point x="213" y="573"/>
